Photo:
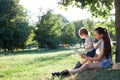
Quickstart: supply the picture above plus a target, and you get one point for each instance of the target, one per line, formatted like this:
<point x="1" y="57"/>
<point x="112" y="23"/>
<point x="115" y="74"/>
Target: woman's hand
<point x="84" y="56"/>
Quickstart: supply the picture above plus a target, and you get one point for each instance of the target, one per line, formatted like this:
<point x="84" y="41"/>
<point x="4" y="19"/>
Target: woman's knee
<point x="86" y="65"/>
<point x="89" y="65"/>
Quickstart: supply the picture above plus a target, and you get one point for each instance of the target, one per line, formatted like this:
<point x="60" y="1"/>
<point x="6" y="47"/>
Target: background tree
<point x="21" y="33"/>
<point x="100" y="8"/>
<point x="48" y="30"/>
<point x="78" y="25"/>
<point x="14" y="28"/>
<point x="68" y="34"/>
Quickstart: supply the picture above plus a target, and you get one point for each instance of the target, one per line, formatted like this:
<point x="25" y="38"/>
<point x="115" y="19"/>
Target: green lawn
<point x="35" y="65"/>
<point x="38" y="65"/>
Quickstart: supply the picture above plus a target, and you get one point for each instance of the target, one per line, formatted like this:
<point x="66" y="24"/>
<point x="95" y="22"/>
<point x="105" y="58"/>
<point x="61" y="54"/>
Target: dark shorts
<point x="91" y="53"/>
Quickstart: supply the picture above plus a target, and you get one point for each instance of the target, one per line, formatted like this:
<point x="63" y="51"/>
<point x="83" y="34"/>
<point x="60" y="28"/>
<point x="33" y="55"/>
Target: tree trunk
<point x="117" y="24"/>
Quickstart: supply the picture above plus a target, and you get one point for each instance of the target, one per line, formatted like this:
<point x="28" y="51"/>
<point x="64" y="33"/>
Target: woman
<point x="104" y="58"/>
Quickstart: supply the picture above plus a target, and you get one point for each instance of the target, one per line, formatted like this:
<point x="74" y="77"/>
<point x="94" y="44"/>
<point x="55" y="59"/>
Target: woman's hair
<point x="107" y="41"/>
<point x="83" y="31"/>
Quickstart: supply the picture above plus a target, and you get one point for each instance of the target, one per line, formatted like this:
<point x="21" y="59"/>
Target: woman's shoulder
<point x="100" y="44"/>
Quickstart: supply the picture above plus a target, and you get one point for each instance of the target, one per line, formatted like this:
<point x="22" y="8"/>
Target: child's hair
<point x="106" y="38"/>
<point x="83" y="31"/>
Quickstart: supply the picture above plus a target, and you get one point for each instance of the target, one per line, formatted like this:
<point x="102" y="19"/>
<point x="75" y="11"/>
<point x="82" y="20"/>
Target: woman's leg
<point x="86" y="66"/>
<point x="90" y="61"/>
<point x="83" y="61"/>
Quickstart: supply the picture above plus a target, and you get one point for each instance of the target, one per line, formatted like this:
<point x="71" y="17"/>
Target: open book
<point x="77" y="51"/>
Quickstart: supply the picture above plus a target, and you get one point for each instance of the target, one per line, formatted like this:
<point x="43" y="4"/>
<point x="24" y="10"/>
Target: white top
<point x="88" y="41"/>
<point x="101" y="46"/>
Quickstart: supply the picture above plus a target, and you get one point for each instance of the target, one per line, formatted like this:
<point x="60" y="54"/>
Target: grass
<point x="38" y="65"/>
<point x="35" y="64"/>
<point x="99" y="74"/>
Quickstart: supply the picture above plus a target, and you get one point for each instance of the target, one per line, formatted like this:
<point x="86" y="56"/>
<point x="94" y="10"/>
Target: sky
<point x="72" y="14"/>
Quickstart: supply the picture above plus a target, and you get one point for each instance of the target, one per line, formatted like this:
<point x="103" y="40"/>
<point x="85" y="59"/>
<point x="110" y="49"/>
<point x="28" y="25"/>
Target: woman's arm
<point x="91" y="44"/>
<point x="98" y="58"/>
<point x="96" y="46"/>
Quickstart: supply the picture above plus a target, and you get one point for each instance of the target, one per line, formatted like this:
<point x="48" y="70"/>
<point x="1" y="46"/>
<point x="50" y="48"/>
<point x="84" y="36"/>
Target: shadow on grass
<point x="35" y="51"/>
<point x="99" y="74"/>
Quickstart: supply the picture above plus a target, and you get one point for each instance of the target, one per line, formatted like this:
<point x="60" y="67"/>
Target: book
<point x="77" y="51"/>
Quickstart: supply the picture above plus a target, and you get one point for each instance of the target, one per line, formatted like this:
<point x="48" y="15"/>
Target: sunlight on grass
<point x="36" y="65"/>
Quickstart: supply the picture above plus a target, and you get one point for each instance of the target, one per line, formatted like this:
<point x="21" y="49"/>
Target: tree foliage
<point x="54" y="29"/>
<point x="48" y="30"/>
<point x="97" y="7"/>
<point x="68" y="34"/>
<point x="14" y="28"/>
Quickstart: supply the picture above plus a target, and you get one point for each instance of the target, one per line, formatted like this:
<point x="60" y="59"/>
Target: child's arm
<point x="98" y="58"/>
<point x="80" y="53"/>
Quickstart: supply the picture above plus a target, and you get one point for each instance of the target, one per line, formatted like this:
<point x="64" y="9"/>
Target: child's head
<point x="83" y="33"/>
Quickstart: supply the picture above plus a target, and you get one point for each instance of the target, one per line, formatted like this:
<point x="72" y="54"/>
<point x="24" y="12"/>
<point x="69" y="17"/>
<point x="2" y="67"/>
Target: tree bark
<point x="117" y="27"/>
